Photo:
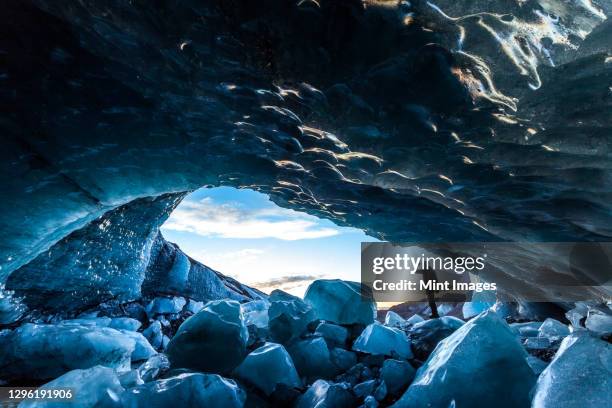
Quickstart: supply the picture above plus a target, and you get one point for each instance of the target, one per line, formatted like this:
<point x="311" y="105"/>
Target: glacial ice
<point x="599" y="322"/>
<point x="392" y="319"/>
<point x="553" y="330"/>
<point x="288" y="316"/>
<point x="154" y="334"/>
<point x="44" y="351"/>
<point x="414" y="319"/>
<point x="580" y="375"/>
<point x="186" y="390"/>
<point x="142" y="348"/>
<point x="426" y="335"/>
<point x="481" y="365"/>
<point x="256" y="313"/>
<point x="340" y="302"/>
<point x="324" y="394"/>
<point x="527" y="329"/>
<point x="194" y="306"/>
<point x="163" y="305"/>
<point x="212" y="340"/>
<point x="312" y="358"/>
<point x="124" y="323"/>
<point x="365" y="388"/>
<point x="382" y="340"/>
<point x="333" y="334"/>
<point x="342" y="359"/>
<point x="153" y="367"/>
<point x="97" y="386"/>
<point x="480" y="302"/>
<point x="268" y="366"/>
<point x="397" y="374"/>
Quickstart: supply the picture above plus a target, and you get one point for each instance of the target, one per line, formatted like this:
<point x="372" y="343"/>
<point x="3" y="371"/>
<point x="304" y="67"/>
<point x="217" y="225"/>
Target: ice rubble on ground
<point x="268" y="366"/>
<point x="340" y="301"/>
<point x="580" y="375"/>
<point x="482" y="364"/>
<point x="97" y="386"/>
<point x="212" y="340"/>
<point x="186" y="390"/>
<point x="321" y="363"/>
<point x="383" y="340"/>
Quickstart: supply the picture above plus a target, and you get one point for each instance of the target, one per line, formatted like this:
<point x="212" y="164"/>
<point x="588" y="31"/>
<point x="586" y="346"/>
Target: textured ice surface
<point x="324" y="394"/>
<point x="396" y="374"/>
<point x="312" y="358"/>
<point x="42" y="351"/>
<point x="212" y="340"/>
<point x="288" y="316"/>
<point x="383" y="340"/>
<point x="392" y="319"/>
<point x="186" y="390"/>
<point x="481" y="365"/>
<point x="426" y="335"/>
<point x="154" y="334"/>
<point x="142" y="348"/>
<point x="154" y="366"/>
<point x="599" y="322"/>
<point x="340" y="302"/>
<point x="553" y="330"/>
<point x="97" y="386"/>
<point x="256" y="313"/>
<point x="342" y="359"/>
<point x="162" y="305"/>
<point x="480" y="302"/>
<point x="527" y="329"/>
<point x="332" y="333"/>
<point x="194" y="306"/>
<point x="580" y="375"/>
<point x="268" y="366"/>
<point x="125" y="323"/>
<point x="414" y="319"/>
<point x="365" y="388"/>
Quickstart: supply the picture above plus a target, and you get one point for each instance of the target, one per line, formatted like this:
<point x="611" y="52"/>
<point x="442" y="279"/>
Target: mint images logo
<point x="537" y="272"/>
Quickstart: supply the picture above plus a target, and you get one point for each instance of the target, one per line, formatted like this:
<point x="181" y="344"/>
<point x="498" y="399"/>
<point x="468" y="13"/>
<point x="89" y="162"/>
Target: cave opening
<point x="243" y="234"/>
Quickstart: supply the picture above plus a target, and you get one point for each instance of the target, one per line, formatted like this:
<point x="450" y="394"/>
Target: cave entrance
<point x="243" y="234"/>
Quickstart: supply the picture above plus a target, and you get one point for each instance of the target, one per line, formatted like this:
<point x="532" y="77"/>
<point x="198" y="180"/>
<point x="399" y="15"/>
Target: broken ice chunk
<point x="268" y="366"/>
<point x="553" y="329"/>
<point x="482" y="364"/>
<point x="288" y="315"/>
<point x="370" y="402"/>
<point x="256" y="313"/>
<point x="153" y="367"/>
<point x="142" y="348"/>
<point x="382" y="340"/>
<point x="392" y="319"/>
<point x="537" y="343"/>
<point x="154" y="334"/>
<point x="194" y="306"/>
<point x="124" y="323"/>
<point x="334" y="335"/>
<point x="426" y="335"/>
<point x="580" y="375"/>
<point x="43" y="351"/>
<point x="579" y="312"/>
<point x="162" y="305"/>
<point x="342" y="359"/>
<point x="527" y="329"/>
<point x="97" y="386"/>
<point x="323" y="394"/>
<point x="186" y="390"/>
<point x="599" y="322"/>
<point x="480" y="302"/>
<point x="340" y="302"/>
<point x="414" y="319"/>
<point x="312" y="358"/>
<point x="364" y="389"/>
<point x="396" y="374"/>
<point x="212" y="340"/>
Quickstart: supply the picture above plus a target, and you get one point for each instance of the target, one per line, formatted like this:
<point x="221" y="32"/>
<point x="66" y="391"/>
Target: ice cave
<point x="423" y="122"/>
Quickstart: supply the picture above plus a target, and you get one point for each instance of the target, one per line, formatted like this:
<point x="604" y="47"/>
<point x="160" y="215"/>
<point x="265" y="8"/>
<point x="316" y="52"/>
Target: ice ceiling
<point x="414" y="121"/>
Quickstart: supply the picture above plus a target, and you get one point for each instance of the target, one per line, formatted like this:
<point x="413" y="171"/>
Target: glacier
<point x="420" y="121"/>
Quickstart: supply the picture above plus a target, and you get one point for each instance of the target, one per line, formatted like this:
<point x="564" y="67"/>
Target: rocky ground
<point x="326" y="350"/>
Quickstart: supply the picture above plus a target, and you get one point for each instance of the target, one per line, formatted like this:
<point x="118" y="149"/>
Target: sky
<point x="242" y="234"/>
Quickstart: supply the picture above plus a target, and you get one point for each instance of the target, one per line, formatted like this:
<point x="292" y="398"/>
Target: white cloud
<point x="232" y="220"/>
